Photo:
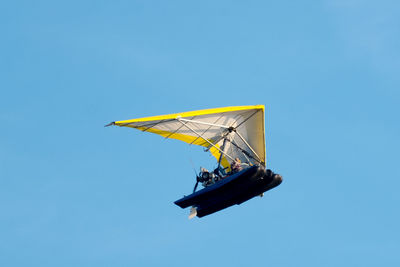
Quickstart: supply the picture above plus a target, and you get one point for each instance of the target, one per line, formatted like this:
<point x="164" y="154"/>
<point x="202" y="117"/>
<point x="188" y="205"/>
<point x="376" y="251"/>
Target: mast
<point x="223" y="152"/>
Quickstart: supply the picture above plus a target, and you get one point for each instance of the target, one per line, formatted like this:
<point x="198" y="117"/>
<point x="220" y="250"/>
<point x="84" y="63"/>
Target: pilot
<point x="207" y="177"/>
<point x="236" y="165"/>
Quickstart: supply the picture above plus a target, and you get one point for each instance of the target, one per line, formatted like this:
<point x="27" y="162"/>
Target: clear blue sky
<point x="73" y="193"/>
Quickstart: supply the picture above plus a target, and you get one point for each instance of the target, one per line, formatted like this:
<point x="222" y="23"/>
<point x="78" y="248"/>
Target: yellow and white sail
<point x="234" y="132"/>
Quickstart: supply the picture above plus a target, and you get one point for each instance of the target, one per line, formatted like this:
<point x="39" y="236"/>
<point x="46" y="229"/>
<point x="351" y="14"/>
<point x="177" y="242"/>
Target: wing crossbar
<point x="204" y="123"/>
<point x="205" y="139"/>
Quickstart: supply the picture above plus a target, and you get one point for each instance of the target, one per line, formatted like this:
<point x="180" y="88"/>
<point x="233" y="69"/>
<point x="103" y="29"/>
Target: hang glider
<point x="232" y="135"/>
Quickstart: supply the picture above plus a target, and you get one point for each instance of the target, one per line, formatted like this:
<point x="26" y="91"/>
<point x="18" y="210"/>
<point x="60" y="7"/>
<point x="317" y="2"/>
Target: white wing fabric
<point x="234" y="132"/>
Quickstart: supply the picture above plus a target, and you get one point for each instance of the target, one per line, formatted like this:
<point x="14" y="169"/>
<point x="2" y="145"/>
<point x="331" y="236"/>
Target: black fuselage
<point x="234" y="189"/>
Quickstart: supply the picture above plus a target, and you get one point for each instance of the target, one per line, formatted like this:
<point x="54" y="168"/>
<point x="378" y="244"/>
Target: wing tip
<point x="111" y="123"/>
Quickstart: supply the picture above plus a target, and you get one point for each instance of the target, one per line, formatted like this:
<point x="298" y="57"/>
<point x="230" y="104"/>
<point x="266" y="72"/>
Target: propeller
<point x="195" y="186"/>
<point x="197" y="177"/>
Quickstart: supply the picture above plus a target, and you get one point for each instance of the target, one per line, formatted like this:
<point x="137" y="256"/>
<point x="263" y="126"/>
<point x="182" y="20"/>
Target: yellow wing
<point x="234" y="132"/>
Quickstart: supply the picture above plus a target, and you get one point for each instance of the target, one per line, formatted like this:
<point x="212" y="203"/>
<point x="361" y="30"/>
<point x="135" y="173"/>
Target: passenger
<point x="236" y="165"/>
